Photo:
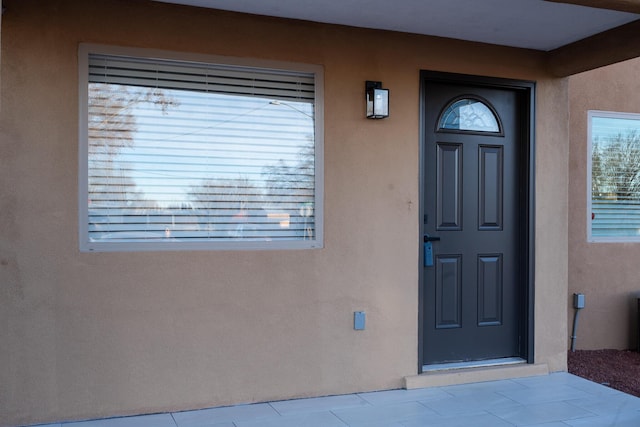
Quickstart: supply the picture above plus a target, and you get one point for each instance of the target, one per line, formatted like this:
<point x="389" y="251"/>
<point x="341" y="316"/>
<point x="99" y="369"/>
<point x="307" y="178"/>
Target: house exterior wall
<point x="607" y="273"/>
<point x="87" y="335"/>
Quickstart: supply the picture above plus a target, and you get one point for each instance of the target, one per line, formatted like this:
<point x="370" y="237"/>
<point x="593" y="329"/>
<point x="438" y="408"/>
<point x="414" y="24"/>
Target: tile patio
<point x="556" y="400"/>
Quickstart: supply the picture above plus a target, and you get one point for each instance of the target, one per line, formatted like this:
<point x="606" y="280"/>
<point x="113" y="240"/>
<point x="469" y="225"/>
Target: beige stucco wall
<point x="551" y="269"/>
<point x="607" y="273"/>
<point x="99" y="334"/>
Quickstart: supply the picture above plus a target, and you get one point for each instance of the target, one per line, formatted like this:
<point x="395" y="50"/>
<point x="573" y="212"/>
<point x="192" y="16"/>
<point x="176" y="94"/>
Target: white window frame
<point x="591" y="114"/>
<point x="85" y="245"/>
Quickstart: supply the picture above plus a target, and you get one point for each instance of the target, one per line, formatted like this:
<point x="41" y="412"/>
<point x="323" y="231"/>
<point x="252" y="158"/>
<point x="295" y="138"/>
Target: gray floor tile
<point x="328" y="403"/>
<point x="156" y="420"/>
<point x="383" y="424"/>
<point x="594" y="388"/>
<point x="397" y="396"/>
<point x="541" y="413"/>
<point x="546" y="393"/>
<point x="483" y="387"/>
<point x="215" y="424"/>
<point x="470" y="403"/>
<point x="554" y="424"/>
<point x="622" y="419"/>
<point x="380" y="414"/>
<point x="557" y="378"/>
<point x="224" y="414"/>
<point x="314" y="419"/>
<point x="475" y="420"/>
<point x="608" y="404"/>
<point x="386" y="424"/>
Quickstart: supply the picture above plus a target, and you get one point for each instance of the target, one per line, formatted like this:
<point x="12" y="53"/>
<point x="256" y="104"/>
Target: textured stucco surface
<point x="89" y="335"/>
<point x="607" y="273"/>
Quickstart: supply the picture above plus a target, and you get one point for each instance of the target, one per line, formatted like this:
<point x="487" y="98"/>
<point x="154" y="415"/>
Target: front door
<point x="474" y="230"/>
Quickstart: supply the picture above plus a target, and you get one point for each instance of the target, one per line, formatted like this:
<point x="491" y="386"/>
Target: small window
<point x="198" y="153"/>
<point x="469" y="115"/>
<point x="613" y="177"/>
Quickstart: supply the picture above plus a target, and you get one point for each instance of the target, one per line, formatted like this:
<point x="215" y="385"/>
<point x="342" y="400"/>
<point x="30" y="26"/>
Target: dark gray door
<point x="472" y="286"/>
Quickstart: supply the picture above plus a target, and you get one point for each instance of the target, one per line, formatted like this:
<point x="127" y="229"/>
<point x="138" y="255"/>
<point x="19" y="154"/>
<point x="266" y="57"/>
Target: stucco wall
<point x="551" y="269"/>
<point x="99" y="334"/>
<point x="607" y="273"/>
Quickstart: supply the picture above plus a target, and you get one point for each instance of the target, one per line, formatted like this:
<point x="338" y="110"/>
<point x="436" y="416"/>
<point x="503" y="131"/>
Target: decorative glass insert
<point x="469" y="114"/>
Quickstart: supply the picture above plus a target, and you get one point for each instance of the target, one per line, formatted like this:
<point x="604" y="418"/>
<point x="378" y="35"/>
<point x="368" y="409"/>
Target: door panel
<point x="490" y="188"/>
<point x="472" y="292"/>
<point x="448" y="292"/>
<point x="449" y="184"/>
<point x="490" y="293"/>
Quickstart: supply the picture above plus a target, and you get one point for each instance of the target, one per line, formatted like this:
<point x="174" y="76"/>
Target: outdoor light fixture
<point x="377" y="100"/>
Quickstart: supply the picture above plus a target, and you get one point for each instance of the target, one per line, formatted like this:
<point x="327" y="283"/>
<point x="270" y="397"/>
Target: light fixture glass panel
<point x="381" y="102"/>
<point x="377" y="104"/>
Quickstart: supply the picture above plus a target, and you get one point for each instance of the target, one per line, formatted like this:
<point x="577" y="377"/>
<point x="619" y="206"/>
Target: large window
<point x="198" y="152"/>
<point x="614" y="177"/>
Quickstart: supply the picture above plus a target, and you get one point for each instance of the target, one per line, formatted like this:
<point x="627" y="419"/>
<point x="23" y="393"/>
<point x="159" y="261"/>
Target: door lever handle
<point x="428" y="238"/>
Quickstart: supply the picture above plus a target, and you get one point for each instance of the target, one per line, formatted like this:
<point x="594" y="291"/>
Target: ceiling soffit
<point x="578" y="35"/>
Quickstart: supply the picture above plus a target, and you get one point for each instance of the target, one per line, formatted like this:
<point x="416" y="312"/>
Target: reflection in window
<point x="614" y="159"/>
<point x="469" y="115"/>
<point x="185" y="155"/>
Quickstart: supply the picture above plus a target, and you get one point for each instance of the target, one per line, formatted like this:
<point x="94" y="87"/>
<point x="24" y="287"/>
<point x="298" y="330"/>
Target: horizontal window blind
<point x="190" y="152"/>
<point x="201" y="77"/>
<point x="616" y="218"/>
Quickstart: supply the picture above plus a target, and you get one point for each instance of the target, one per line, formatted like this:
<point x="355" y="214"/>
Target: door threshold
<point x="473" y="364"/>
<point x="475" y="373"/>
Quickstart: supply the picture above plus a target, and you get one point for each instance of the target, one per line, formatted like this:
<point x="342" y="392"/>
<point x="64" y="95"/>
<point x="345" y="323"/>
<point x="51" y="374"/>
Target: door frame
<point x="526" y="162"/>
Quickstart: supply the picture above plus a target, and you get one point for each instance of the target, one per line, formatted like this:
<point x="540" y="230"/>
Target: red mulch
<point x="618" y="369"/>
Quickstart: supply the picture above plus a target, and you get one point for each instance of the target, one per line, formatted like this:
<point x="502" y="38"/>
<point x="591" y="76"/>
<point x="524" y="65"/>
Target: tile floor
<point x="556" y="400"/>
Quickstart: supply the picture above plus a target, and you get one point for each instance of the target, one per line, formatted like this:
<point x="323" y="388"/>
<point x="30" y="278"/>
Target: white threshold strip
<point x="473" y="364"/>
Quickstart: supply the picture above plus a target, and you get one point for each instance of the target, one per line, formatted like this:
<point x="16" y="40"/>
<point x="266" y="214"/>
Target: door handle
<point x="428" y="249"/>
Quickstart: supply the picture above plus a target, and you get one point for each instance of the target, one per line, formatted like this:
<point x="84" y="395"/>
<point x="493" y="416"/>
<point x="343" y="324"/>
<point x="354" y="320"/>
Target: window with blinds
<point x="614" y="176"/>
<point x="198" y="154"/>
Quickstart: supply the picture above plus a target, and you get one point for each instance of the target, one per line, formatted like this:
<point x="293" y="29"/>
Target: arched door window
<point x="469" y="114"/>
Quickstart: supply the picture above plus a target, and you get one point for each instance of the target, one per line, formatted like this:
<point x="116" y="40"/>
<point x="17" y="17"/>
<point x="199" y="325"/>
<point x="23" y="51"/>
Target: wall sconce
<point x="377" y="100"/>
